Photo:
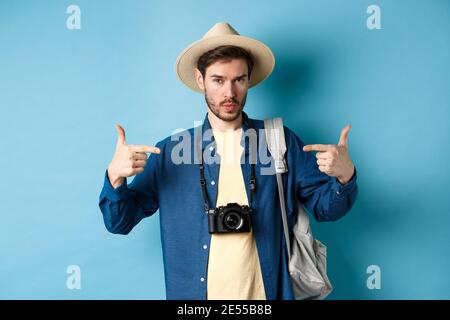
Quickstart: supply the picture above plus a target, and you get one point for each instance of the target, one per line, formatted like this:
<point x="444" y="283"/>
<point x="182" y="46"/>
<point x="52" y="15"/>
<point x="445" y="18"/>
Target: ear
<point x="199" y="79"/>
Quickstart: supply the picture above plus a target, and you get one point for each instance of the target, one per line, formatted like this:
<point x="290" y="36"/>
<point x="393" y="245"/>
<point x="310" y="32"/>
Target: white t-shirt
<point x="234" y="271"/>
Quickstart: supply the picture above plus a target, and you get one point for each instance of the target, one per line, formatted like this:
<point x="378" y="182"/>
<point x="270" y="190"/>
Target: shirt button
<point x="202" y="279"/>
<point x="213" y="182"/>
<point x="337" y="192"/>
<point x="211" y="148"/>
<point x="205" y="246"/>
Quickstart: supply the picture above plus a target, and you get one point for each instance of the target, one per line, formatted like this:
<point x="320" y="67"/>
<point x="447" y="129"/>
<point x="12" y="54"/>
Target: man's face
<point x="225" y="85"/>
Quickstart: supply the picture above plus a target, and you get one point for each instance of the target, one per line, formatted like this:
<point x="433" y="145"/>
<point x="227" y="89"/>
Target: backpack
<point x="307" y="256"/>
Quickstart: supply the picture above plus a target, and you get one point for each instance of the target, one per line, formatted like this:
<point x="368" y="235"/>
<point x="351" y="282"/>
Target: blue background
<point x="62" y="91"/>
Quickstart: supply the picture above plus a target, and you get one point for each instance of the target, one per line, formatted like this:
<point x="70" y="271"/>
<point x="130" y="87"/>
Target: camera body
<point x="231" y="218"/>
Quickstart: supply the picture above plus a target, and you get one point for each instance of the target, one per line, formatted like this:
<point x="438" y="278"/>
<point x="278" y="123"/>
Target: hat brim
<point x="264" y="60"/>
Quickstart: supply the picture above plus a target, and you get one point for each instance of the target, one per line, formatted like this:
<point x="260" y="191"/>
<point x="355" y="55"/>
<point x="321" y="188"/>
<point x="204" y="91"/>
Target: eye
<point x="220" y="81"/>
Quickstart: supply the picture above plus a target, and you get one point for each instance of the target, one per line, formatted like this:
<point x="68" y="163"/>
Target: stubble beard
<point x="219" y="111"/>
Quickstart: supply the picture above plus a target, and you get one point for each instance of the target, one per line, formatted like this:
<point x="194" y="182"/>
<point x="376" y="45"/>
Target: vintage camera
<point x="230" y="218"/>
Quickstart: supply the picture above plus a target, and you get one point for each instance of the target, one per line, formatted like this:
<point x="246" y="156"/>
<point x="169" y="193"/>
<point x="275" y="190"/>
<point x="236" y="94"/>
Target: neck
<point x="221" y="125"/>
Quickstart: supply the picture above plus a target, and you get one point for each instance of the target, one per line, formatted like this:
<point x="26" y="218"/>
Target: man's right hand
<point x="128" y="159"/>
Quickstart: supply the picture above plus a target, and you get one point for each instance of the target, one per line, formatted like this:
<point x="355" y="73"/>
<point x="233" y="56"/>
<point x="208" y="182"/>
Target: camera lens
<point x="233" y="221"/>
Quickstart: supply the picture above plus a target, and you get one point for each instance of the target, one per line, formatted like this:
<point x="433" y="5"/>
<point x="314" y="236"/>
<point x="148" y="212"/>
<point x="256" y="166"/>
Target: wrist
<point x="345" y="179"/>
<point x="114" y="180"/>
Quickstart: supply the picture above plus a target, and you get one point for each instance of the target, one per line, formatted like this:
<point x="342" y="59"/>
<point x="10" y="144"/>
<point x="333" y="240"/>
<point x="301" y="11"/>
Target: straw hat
<point x="224" y="34"/>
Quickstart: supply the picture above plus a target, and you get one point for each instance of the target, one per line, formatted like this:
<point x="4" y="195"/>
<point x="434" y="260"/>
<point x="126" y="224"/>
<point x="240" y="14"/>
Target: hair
<point x="224" y="53"/>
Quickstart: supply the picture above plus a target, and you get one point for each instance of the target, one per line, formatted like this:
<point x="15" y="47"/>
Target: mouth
<point x="229" y="106"/>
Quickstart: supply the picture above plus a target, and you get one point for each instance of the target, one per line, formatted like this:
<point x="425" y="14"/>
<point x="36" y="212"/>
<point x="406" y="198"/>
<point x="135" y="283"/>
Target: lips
<point x="229" y="106"/>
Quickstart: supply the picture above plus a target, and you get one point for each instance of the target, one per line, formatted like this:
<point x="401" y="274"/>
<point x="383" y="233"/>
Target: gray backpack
<point x="307" y="256"/>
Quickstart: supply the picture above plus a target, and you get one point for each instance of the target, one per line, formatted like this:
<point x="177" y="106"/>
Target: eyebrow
<point x="221" y="77"/>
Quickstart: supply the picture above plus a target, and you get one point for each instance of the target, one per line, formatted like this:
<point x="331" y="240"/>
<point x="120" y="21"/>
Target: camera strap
<point x="252" y="182"/>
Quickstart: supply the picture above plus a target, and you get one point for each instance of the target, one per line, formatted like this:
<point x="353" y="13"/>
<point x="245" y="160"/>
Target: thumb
<point x="121" y="134"/>
<point x="343" y="140"/>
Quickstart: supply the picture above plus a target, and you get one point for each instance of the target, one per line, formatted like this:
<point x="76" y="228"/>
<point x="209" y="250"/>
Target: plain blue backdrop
<point x="62" y="91"/>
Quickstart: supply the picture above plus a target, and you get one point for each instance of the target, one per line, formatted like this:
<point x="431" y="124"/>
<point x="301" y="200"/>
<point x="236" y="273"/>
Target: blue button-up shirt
<point x="173" y="187"/>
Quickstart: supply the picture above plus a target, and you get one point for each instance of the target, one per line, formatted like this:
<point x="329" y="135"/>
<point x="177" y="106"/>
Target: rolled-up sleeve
<point x="125" y="206"/>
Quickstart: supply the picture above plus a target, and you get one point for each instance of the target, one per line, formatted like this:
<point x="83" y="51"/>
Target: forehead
<point x="231" y="68"/>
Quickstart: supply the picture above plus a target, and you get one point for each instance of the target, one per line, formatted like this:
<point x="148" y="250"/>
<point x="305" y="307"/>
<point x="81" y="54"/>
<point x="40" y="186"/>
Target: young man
<point x="220" y="220"/>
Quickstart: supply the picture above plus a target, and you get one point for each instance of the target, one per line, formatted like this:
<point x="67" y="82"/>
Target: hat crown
<point x="220" y="29"/>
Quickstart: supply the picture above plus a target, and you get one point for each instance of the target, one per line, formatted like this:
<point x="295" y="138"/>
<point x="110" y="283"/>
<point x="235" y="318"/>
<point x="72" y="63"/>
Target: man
<point x="207" y="256"/>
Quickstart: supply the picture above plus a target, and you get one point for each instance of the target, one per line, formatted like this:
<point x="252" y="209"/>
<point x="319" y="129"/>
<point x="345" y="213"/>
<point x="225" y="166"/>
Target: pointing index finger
<point x="144" y="148"/>
<point x="317" y="147"/>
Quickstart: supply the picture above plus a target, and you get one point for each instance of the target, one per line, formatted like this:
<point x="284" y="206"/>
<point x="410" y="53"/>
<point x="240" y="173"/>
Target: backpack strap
<point x="273" y="128"/>
<point x="276" y="144"/>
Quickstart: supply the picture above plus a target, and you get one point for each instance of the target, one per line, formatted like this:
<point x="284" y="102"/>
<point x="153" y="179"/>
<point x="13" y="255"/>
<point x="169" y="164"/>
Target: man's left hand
<point x="334" y="160"/>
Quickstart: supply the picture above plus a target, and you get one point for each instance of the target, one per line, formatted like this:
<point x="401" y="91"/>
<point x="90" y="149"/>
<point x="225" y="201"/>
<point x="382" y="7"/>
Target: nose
<point x="229" y="90"/>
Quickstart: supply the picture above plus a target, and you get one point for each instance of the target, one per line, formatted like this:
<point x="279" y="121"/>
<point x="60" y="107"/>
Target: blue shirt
<point x="174" y="188"/>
